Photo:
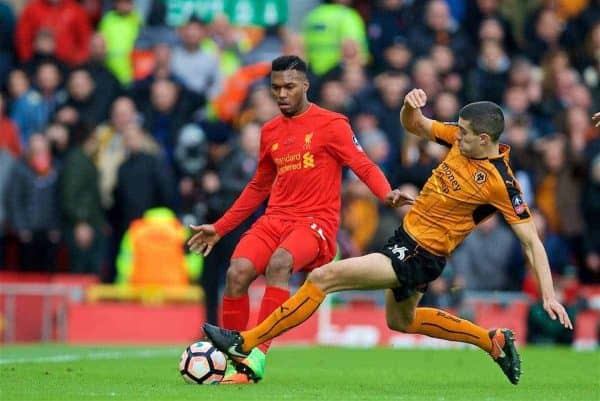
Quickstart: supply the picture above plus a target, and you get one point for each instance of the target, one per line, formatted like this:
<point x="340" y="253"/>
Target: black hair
<point x="285" y="63"/>
<point x="484" y="117"/>
<point x="79" y="132"/>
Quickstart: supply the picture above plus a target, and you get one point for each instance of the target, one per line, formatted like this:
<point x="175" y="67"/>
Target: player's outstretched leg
<point x="505" y="353"/>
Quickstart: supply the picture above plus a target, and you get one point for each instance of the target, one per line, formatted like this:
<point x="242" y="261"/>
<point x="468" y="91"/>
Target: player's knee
<point x="239" y="277"/>
<point x="280" y="266"/>
<point x="401" y="322"/>
<point x="323" y="277"/>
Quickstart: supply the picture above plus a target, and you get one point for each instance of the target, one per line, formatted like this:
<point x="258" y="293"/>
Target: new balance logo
<point x="400" y="252"/>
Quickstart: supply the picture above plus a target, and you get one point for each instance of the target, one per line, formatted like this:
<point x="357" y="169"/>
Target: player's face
<point x="469" y="142"/>
<point x="289" y="90"/>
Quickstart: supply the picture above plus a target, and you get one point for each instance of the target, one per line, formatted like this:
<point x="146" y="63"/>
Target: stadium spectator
<point x="84" y="98"/>
<point x="154" y="29"/>
<point x="111" y="150"/>
<point x="198" y="69"/>
<point x="25" y="105"/>
<point x="517" y="106"/>
<point x="446" y="107"/>
<point x="325" y="29"/>
<point x="558" y="188"/>
<point x="65" y="19"/>
<point x="542" y="331"/>
<point x="488" y="79"/>
<point x="44" y="48"/>
<point x="425" y="75"/>
<point x="169" y="108"/>
<point x="152" y="252"/>
<point x="120" y="28"/>
<point x="350" y="58"/>
<point x="590" y="271"/>
<point x="418" y="159"/>
<point x="10" y="140"/>
<point x="334" y="97"/>
<point x="397" y="56"/>
<point x="142" y="183"/>
<point x="480" y="13"/>
<point x="83" y="215"/>
<point x="390" y="19"/>
<point x="360" y="213"/>
<point x="547" y="35"/>
<point x="482" y="261"/>
<point x="59" y="138"/>
<point x="260" y="107"/>
<point x="7" y="161"/>
<point x="522" y="74"/>
<point x="48" y="80"/>
<point x="161" y="69"/>
<point x="439" y="29"/>
<point x="586" y="58"/>
<point x="33" y="207"/>
<point x="444" y="62"/>
<point x="107" y="86"/>
<point x="373" y="140"/>
<point x="356" y="82"/>
<point x="386" y="104"/>
<point x="231" y="44"/>
<point x="521" y="151"/>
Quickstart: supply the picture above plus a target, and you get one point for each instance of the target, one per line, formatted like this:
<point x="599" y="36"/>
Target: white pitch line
<point x="92" y="356"/>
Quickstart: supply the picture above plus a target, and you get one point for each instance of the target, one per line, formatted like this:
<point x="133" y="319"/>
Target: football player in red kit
<point x="302" y="153"/>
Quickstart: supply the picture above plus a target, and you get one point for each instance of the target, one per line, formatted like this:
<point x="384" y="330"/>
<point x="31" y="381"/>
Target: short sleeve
<point x="445" y="133"/>
<point x="507" y="196"/>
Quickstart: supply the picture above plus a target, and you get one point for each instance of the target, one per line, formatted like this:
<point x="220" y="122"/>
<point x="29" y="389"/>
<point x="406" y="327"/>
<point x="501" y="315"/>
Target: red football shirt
<point x="300" y="168"/>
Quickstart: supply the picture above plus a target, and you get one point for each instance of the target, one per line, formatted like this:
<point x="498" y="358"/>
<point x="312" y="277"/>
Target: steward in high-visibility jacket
<point x="153" y="252"/>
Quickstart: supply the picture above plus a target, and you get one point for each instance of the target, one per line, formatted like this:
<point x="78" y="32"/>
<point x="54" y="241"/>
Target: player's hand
<point x="204" y="239"/>
<point x="415" y="99"/>
<point x="555" y="310"/>
<point x="395" y="198"/>
<point x="596" y="119"/>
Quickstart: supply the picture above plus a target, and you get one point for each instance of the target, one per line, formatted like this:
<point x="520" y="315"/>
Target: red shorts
<point x="303" y="239"/>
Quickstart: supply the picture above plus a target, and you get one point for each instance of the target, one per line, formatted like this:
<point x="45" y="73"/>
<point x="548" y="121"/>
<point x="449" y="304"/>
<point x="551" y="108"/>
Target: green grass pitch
<point x="57" y="372"/>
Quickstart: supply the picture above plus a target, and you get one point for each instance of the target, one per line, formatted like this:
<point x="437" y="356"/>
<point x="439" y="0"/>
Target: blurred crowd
<point x="111" y="108"/>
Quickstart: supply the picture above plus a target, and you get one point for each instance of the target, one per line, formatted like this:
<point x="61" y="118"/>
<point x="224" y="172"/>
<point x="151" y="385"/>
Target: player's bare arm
<point x="204" y="239"/>
<point x="538" y="260"/>
<point x="412" y="118"/>
<point x="596" y="119"/>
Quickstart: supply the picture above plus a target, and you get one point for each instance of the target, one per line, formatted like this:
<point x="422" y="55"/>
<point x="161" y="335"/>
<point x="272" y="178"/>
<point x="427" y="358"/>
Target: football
<point x="201" y="363"/>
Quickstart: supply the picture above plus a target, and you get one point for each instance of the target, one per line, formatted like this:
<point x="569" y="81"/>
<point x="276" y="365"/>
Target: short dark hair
<point x="484" y="117"/>
<point x="284" y="63"/>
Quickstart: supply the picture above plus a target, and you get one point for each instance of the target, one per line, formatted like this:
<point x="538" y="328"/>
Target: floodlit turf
<point x="54" y="372"/>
